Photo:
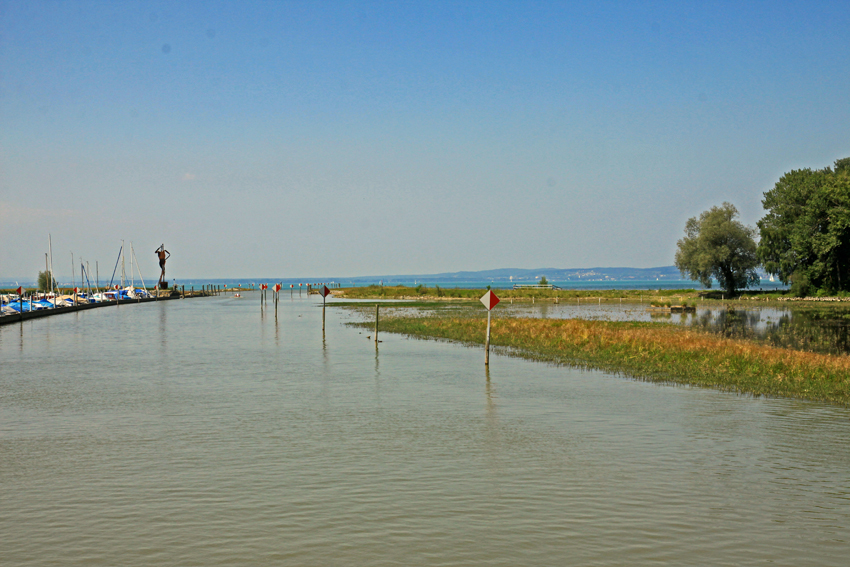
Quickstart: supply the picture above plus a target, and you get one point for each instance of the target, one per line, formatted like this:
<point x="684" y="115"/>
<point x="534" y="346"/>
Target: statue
<point x="163" y="256"/>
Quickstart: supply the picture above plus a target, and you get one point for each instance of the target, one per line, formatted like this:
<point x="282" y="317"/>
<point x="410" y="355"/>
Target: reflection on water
<point x="137" y="436"/>
<point x="813" y="328"/>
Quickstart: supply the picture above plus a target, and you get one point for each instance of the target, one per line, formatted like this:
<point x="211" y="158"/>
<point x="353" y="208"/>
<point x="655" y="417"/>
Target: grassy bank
<point x="746" y="298"/>
<point x="651" y="351"/>
<point x="436" y="293"/>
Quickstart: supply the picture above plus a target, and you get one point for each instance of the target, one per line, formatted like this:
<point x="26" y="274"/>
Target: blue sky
<point x="355" y="138"/>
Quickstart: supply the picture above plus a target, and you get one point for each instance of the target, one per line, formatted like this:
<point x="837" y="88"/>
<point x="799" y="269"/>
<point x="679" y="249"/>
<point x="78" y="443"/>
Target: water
<point x="195" y="432"/>
<point x="410" y="282"/>
<point x="817" y="328"/>
<point x="469" y="284"/>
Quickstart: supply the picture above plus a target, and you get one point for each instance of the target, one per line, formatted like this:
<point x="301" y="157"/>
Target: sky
<point x="287" y="139"/>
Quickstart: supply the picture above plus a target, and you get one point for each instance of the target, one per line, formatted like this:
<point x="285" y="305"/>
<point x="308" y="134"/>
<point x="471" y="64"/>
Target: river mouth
<point x="207" y="431"/>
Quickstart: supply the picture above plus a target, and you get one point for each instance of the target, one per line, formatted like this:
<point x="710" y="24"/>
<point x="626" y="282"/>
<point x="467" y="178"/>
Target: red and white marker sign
<point x="20" y="290"/>
<point x="325" y="291"/>
<point x="490" y="300"/>
<point x="277" y="287"/>
<point x="76" y="290"/>
<point x="264" y="286"/>
<point x="291" y="285"/>
<point x="117" y="286"/>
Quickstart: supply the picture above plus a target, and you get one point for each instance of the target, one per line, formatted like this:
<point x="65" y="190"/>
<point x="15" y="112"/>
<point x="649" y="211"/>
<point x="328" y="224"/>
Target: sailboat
<point x="125" y="291"/>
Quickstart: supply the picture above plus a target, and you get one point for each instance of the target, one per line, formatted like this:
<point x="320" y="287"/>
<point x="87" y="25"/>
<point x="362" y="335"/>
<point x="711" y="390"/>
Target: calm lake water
<point x="198" y="432"/>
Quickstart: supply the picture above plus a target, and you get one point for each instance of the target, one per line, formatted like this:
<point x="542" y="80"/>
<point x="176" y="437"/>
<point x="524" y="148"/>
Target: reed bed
<point x="651" y="351"/>
<point x="437" y="293"/>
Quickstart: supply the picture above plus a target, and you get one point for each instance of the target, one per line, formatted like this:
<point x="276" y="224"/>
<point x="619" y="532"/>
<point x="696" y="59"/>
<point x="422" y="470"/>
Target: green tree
<point x="46" y="282"/>
<point x="716" y="245"/>
<point x="805" y="235"/>
<point x="544" y="281"/>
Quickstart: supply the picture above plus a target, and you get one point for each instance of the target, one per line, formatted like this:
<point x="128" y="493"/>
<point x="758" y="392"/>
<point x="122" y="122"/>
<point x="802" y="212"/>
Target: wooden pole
<point x="376" y="323"/>
<point x="323" y="313"/>
<point x="487" y="342"/>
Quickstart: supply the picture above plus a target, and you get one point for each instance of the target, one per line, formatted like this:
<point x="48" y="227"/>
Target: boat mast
<point x="132" y="269"/>
<point x="123" y="273"/>
<point x="50" y="248"/>
<point x="133" y="253"/>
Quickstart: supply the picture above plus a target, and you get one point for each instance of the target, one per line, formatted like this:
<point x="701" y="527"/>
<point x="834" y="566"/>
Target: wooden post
<point x="376" y="323"/>
<point x="323" y="313"/>
<point x="487" y="342"/>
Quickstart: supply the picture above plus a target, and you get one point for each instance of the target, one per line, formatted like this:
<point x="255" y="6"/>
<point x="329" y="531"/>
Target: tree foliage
<point x="543" y="281"/>
<point x="805" y="235"/>
<point x="716" y="245"/>
<point x="46" y="282"/>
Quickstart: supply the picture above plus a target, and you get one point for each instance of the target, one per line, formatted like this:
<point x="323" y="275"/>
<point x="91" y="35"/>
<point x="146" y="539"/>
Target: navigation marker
<point x="324" y="292"/>
<point x="490" y="301"/>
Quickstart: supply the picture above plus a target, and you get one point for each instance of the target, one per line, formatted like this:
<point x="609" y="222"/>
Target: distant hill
<point x="552" y="274"/>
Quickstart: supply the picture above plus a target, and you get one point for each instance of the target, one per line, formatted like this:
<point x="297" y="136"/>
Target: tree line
<point x="803" y="239"/>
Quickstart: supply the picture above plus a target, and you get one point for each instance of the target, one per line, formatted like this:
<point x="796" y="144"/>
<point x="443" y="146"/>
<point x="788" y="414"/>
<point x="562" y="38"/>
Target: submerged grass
<point x="441" y="294"/>
<point x="651" y="351"/>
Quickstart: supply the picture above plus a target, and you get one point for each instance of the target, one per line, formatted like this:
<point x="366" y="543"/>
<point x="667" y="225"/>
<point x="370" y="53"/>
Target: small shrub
<point x="800" y="286"/>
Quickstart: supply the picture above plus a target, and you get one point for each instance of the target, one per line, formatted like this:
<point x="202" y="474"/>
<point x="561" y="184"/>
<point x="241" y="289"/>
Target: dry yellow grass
<point x="654" y="351"/>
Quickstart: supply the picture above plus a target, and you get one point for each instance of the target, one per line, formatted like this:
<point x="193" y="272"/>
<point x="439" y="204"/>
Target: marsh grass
<point x="651" y="351"/>
<point x="438" y="293"/>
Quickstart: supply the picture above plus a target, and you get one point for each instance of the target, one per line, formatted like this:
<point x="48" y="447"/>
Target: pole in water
<point x="489" y="300"/>
<point x="487" y="342"/>
<point x="376" y="323"/>
<point x="324" y="292"/>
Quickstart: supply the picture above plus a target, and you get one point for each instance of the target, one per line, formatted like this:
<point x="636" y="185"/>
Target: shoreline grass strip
<point x="651" y="351"/>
